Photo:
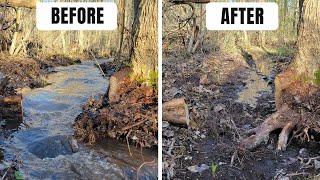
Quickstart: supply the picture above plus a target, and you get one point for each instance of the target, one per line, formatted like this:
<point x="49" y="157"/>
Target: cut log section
<point x="115" y="81"/>
<point x="176" y="111"/>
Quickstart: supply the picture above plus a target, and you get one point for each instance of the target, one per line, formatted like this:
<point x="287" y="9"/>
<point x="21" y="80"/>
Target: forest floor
<point x="227" y="96"/>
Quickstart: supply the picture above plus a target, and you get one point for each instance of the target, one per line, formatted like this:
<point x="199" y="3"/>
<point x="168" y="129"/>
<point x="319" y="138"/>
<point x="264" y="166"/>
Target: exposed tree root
<point x="285" y="118"/>
<point x="284" y="136"/>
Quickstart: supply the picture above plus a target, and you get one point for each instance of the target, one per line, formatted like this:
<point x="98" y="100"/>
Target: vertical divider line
<point x="160" y="89"/>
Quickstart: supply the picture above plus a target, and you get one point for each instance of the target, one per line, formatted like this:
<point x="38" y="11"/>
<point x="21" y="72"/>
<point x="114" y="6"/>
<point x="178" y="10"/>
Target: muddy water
<point x="257" y="83"/>
<point x="44" y="145"/>
<point x="254" y="88"/>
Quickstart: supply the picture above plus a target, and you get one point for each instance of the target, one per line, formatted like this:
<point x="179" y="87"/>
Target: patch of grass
<point x="153" y="79"/>
<point x="317" y="77"/>
<point x="286" y="51"/>
<point x="213" y="168"/>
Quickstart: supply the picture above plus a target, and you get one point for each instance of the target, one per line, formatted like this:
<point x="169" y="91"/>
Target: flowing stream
<point x="43" y="146"/>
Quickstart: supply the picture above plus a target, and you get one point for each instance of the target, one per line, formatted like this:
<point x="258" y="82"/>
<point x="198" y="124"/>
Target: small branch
<point x="103" y="74"/>
<point x="133" y="125"/>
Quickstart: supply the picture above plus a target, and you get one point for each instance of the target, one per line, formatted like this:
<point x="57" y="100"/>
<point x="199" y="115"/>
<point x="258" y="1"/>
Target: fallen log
<point x="176" y="111"/>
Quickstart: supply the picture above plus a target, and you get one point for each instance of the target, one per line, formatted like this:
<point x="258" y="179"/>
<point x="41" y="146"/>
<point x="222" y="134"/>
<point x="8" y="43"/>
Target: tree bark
<point x="145" y="54"/>
<point x="122" y="12"/>
<point x="298" y="79"/>
<point x="307" y="61"/>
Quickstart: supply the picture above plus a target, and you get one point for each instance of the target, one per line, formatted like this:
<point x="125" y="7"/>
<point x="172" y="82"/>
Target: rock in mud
<point x="219" y="107"/>
<point x="52" y="147"/>
<point x="316" y="164"/>
<point x="198" y="169"/>
<point x="303" y="153"/>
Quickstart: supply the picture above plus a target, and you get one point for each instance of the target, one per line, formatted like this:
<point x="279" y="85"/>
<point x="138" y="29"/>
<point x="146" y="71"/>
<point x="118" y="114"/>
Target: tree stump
<point x="176" y="111"/>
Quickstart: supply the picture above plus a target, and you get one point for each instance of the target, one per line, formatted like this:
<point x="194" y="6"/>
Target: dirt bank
<point x="26" y="72"/>
<point x="132" y="117"/>
<point x="222" y="111"/>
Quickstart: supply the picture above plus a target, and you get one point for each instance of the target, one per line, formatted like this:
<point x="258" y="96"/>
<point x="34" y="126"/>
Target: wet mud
<point x="236" y="97"/>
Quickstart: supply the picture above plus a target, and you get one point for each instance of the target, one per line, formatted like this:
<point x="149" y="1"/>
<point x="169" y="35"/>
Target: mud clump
<point x="132" y="116"/>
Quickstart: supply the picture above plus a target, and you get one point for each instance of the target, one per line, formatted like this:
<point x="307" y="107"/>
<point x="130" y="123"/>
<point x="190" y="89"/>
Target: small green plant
<point x="317" y="77"/>
<point x="153" y="79"/>
<point x="18" y="175"/>
<point x="286" y="50"/>
<point x="214" y="168"/>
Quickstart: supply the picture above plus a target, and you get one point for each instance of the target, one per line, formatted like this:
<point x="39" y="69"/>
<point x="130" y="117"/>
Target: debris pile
<point x="128" y="111"/>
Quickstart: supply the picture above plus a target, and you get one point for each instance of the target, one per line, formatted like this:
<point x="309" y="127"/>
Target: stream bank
<point x="44" y="147"/>
<point x="127" y="112"/>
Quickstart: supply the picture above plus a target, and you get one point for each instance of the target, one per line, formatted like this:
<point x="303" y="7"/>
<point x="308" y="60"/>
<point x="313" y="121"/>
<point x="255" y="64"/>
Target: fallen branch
<point x="133" y="125"/>
<point x="103" y="74"/>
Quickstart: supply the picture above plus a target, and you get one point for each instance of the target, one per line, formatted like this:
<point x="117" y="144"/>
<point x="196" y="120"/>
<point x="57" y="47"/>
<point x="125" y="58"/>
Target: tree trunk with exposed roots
<point x="297" y="88"/>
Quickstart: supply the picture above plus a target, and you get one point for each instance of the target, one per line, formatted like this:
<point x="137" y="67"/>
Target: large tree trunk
<point x="307" y="61"/>
<point x="308" y="58"/>
<point x="297" y="87"/>
<point x="145" y="54"/>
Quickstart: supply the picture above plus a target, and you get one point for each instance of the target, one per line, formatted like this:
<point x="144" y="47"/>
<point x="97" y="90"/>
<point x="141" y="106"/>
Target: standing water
<point x="44" y="148"/>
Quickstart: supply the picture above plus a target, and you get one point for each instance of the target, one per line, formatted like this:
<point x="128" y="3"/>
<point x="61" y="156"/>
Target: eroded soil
<point x="236" y="97"/>
<point x="26" y="72"/>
